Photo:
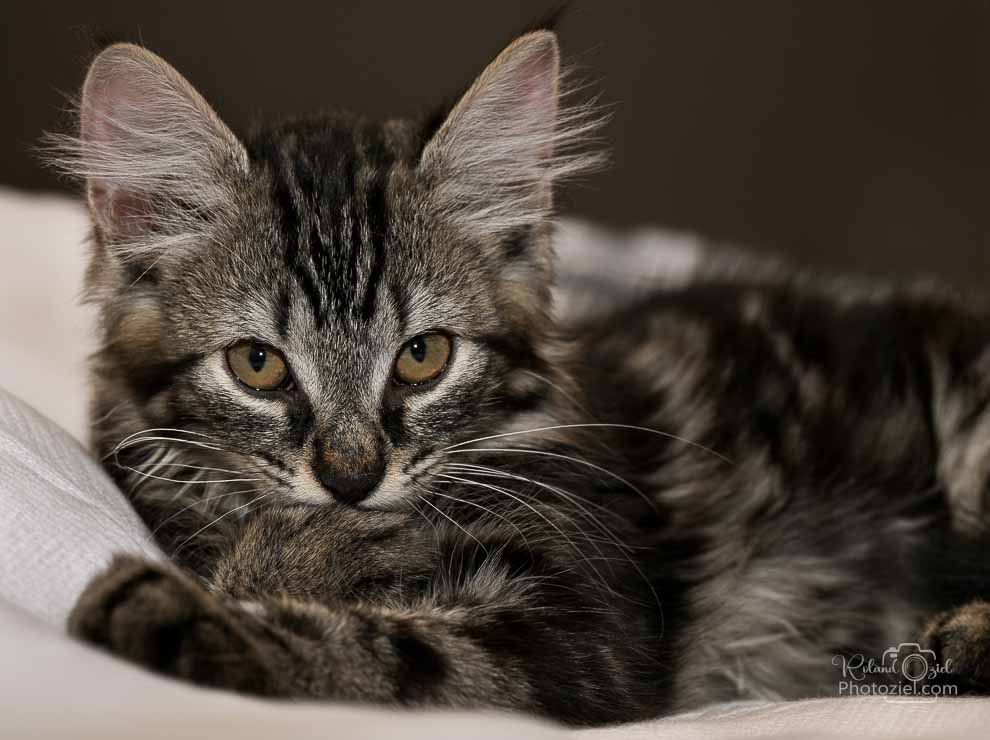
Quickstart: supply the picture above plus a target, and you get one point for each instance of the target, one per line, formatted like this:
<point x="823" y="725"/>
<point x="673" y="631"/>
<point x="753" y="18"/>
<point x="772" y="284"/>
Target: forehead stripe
<point x="330" y="184"/>
<point x="376" y="206"/>
<point x="286" y="193"/>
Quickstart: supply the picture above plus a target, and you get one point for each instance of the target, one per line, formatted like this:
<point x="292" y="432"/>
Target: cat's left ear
<point x="493" y="163"/>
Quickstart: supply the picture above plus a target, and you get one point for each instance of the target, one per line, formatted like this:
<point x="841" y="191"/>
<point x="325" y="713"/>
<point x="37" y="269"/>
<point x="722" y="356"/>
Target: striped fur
<point x="705" y="496"/>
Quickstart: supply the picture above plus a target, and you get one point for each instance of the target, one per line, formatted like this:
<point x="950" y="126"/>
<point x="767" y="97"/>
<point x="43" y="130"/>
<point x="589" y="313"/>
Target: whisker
<point x="164" y="429"/>
<point x="198" y="503"/>
<point x="142" y="440"/>
<point x="559" y="456"/>
<point x="483" y="508"/>
<point x="510" y="494"/>
<point x="201" y="467"/>
<point x="565" y="394"/>
<point x="441" y="513"/>
<point x="123" y="442"/>
<point x="143" y="474"/>
<point x="108" y="414"/>
<point x="626" y="557"/>
<point x="427" y="519"/>
<point x="609" y="537"/>
<point x="256" y="466"/>
<point x="485" y="470"/>
<point x="588" y="560"/>
<point x="200" y="531"/>
<point x="630" y="427"/>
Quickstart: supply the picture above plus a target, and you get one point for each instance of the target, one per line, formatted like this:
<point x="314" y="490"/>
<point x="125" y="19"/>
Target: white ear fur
<point x="496" y="157"/>
<point x="154" y="154"/>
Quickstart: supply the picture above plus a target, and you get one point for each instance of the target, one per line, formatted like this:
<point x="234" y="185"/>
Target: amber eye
<point x="258" y="366"/>
<point x="422" y="358"/>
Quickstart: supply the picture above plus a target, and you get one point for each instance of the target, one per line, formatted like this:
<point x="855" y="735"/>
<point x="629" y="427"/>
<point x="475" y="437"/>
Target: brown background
<point x="845" y="134"/>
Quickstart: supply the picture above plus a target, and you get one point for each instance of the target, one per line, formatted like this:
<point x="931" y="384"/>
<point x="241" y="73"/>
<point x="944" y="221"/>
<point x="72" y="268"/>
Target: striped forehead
<point x="330" y="193"/>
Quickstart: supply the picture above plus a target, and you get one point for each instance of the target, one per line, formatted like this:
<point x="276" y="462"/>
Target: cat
<point x="332" y="383"/>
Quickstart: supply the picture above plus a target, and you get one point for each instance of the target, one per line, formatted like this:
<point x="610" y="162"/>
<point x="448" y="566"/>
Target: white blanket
<point x="62" y="518"/>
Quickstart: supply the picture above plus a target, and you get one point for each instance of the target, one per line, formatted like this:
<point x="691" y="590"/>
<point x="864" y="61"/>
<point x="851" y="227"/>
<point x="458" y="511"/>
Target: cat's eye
<point x="422" y="358"/>
<point x="258" y="366"/>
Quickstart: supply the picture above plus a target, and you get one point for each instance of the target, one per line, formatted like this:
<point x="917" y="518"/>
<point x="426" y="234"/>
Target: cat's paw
<point x="961" y="640"/>
<point x="162" y="619"/>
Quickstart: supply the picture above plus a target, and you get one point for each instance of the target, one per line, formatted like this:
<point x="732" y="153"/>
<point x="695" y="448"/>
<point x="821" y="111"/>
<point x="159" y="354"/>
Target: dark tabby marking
<point x="704" y="496"/>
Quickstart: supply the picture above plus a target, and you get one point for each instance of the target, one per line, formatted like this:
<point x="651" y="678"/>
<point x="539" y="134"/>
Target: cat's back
<point x="821" y="380"/>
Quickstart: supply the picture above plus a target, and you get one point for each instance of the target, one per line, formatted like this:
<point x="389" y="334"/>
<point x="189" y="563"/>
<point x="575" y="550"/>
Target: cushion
<point x="62" y="518"/>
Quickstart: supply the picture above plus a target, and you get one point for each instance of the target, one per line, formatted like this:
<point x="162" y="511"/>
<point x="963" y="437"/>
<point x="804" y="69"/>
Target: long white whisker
<point x="513" y="496"/>
<point x="200" y="467"/>
<point x="498" y="489"/>
<point x="196" y="503"/>
<point x="191" y="482"/>
<point x="631" y="427"/>
<point x="609" y="536"/>
<point x="567" y="396"/>
<point x="449" y="519"/>
<point x="559" y="456"/>
<point x="115" y="452"/>
<point x="123" y="442"/>
<point x="200" y="531"/>
<point x="483" y="508"/>
<point x="163" y="429"/>
<point x="108" y="414"/>
<point x="436" y="532"/>
<point x="622" y="550"/>
<point x="568" y="495"/>
<point x="143" y="440"/>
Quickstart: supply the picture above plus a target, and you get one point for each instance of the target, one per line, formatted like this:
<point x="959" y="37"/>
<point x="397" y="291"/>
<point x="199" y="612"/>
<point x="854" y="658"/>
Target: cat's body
<point x="706" y="496"/>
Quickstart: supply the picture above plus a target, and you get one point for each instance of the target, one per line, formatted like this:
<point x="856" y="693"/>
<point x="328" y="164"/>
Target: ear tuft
<point x="156" y="159"/>
<point x="509" y="139"/>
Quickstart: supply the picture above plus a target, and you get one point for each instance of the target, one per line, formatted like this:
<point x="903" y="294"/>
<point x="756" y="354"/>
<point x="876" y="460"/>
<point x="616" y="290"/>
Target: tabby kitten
<point x="332" y="384"/>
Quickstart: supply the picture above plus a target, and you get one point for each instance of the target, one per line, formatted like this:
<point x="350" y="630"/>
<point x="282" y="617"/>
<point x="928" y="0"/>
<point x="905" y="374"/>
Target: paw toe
<point x="139" y="610"/>
<point x="155" y="616"/>
<point x="961" y="639"/>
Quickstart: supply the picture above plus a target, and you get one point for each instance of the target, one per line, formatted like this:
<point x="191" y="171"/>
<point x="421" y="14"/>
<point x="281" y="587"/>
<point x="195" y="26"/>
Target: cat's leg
<point x="497" y="640"/>
<point x="161" y="618"/>
<point x="960" y="639"/>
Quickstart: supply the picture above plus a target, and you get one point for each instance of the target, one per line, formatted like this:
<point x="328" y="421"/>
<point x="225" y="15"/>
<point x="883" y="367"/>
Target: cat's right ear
<point x="155" y="157"/>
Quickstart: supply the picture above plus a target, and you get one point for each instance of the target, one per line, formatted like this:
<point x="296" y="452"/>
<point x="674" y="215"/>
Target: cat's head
<point x="332" y="299"/>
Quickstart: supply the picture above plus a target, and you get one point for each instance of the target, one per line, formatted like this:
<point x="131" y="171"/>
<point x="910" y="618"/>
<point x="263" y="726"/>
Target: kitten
<point x="332" y="384"/>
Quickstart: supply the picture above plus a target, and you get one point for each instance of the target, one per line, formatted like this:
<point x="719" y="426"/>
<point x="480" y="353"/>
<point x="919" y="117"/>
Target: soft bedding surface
<point x="62" y="518"/>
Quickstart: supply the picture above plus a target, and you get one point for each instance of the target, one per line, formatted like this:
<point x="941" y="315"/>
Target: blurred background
<point x="838" y="133"/>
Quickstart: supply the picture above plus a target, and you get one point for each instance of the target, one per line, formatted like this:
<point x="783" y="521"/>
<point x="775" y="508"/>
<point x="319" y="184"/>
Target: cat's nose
<point x="350" y="478"/>
<point x="351" y="488"/>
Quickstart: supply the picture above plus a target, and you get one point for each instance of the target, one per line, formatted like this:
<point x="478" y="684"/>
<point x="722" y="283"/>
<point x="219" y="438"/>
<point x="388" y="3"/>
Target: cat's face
<point x="332" y="301"/>
<point x="345" y="336"/>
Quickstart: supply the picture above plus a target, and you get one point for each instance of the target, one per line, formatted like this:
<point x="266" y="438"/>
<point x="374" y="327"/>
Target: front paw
<point x="160" y="618"/>
<point x="961" y="640"/>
